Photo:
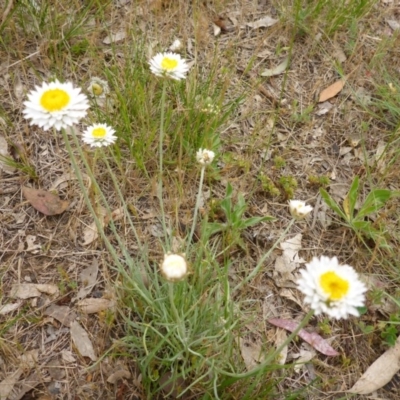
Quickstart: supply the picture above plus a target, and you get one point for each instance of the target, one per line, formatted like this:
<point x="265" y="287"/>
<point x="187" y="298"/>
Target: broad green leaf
<point x="226" y="204"/>
<point x="374" y="201"/>
<point x="364" y="226"/>
<point x="351" y="198"/>
<point x="332" y="203"/>
<point x="214" y="227"/>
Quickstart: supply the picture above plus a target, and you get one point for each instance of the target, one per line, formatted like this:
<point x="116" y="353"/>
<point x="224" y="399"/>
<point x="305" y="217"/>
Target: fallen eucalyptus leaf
<point x="10" y="307"/>
<point x="28" y="290"/>
<point x="82" y="342"/>
<point x="118" y="375"/>
<point x="93" y="305"/>
<point x="88" y="278"/>
<point x="380" y="372"/>
<point x="332" y="90"/>
<point x="4" y="153"/>
<point x="24" y="291"/>
<point x="264" y="22"/>
<point x="67" y="356"/>
<point x="114" y="37"/>
<point x="288" y="262"/>
<point x="313" y="338"/>
<point x="7" y="384"/>
<point x="45" y="202"/>
<point x="90" y="233"/>
<point x="280" y="68"/>
<point x="62" y="314"/>
<point x="251" y="352"/>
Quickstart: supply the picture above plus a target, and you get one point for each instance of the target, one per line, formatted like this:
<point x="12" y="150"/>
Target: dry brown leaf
<point x="61" y="180"/>
<point x="30" y="244"/>
<point x="324" y="108"/>
<point x="29" y="383"/>
<point x="118" y="375"/>
<point x="115" y="37"/>
<point x="380" y="372"/>
<point x="93" y="305"/>
<point x="7" y="308"/>
<point x="62" y="314"/>
<point x="67" y="356"/>
<point x="29" y="359"/>
<point x="47" y="288"/>
<point x="28" y="290"/>
<point x="91" y="233"/>
<point x="279" y="340"/>
<point x="279" y="69"/>
<point x="4" y="153"/>
<point x="82" y="342"/>
<point x="88" y="278"/>
<point x="303" y="357"/>
<point x="312" y="338"/>
<point x="332" y="90"/>
<point x="45" y="202"/>
<point x="18" y="87"/>
<point x="395" y="25"/>
<point x="252" y="353"/>
<point x="7" y="385"/>
<point x="24" y="291"/>
<point x="264" y="22"/>
<point x="288" y="261"/>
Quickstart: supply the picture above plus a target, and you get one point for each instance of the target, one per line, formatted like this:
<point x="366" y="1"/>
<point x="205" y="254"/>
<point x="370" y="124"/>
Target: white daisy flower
<point x="205" y="157"/>
<point x="299" y="209"/>
<point x="99" y="135"/>
<point x="174" y="267"/>
<point x="169" y="64"/>
<point x="98" y="88"/>
<point x="331" y="288"/>
<point x="55" y="104"/>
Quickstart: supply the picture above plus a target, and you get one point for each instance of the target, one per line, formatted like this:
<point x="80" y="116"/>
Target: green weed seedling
<point x="375" y="200"/>
<point x="235" y="223"/>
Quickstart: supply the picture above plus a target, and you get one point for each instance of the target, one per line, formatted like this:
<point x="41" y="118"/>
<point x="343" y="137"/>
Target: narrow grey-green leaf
<point x="374" y="202"/>
<point x="332" y="203"/>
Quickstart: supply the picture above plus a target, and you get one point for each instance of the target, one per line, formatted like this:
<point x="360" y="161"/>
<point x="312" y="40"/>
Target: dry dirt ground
<point x="268" y="123"/>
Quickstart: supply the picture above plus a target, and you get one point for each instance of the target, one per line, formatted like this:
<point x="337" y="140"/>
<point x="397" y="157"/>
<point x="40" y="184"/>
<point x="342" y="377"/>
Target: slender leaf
<point x="374" y="201"/>
<point x="254" y="221"/>
<point x="332" y="203"/>
<point x="350" y="200"/>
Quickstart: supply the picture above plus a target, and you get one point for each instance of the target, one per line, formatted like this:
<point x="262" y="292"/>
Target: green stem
<point x="160" y="151"/>
<point x="263" y="258"/>
<point x="196" y="208"/>
<point x="181" y="329"/>
<point x="111" y="248"/>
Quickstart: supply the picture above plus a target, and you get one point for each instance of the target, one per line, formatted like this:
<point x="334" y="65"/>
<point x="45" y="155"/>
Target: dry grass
<point x="271" y="117"/>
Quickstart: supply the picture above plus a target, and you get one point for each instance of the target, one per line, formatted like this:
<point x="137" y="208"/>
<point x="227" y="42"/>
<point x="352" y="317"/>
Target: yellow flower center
<point x="97" y="89"/>
<point x="54" y="100"/>
<point x="169" y="64"/>
<point x="333" y="285"/>
<point x="99" y="133"/>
